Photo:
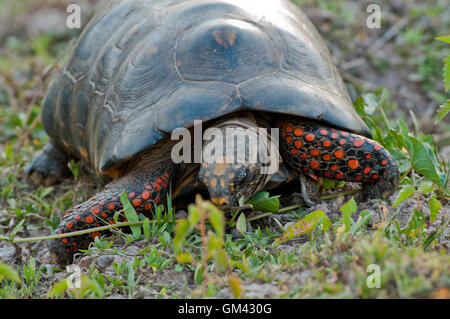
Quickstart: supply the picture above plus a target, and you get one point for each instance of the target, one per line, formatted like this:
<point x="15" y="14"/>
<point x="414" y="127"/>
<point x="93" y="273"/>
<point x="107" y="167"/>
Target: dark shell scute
<point x="229" y="51"/>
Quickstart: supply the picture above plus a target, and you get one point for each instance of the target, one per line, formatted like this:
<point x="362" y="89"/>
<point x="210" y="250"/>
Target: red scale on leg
<point x="314" y="164"/>
<point x="309" y="137"/>
<point x="289" y="139"/>
<point x="298" y="131"/>
<point x="334" y="136"/>
<point x="358" y="142"/>
<point x="95" y="210"/>
<point x="145" y="195"/>
<point x="339" y="175"/>
<point x="137" y="202"/>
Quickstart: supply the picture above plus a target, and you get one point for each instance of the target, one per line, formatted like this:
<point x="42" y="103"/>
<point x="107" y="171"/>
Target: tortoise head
<point x="227" y="182"/>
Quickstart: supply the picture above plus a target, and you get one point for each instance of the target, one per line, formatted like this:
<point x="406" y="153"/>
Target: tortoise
<point x="141" y="70"/>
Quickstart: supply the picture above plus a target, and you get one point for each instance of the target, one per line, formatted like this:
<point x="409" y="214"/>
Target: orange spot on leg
<point x="339" y="154"/>
<point x="353" y="164"/>
<point x="339" y="175"/>
<point x="314" y="152"/>
<point x="309" y="137"/>
<point x="358" y="142"/>
<point x="298" y="132"/>
<point x="137" y="202"/>
<point x="145" y="195"/>
<point x="314" y="164"/>
<point x="89" y="219"/>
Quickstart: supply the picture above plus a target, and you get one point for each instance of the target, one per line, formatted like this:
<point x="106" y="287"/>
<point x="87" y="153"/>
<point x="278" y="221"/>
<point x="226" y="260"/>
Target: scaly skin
<point x="145" y="187"/>
<point x="317" y="150"/>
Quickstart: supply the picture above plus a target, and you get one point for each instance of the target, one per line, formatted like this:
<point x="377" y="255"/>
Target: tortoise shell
<point x="140" y="69"/>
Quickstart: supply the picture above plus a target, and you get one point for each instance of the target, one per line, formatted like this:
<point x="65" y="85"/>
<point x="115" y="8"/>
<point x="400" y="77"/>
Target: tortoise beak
<point x="220" y="201"/>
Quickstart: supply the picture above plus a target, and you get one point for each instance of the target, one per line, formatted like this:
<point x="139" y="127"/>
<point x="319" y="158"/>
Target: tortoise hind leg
<point x="48" y="166"/>
<point x="145" y="186"/>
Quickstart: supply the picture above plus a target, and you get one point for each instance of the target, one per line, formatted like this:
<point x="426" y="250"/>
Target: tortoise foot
<point x="309" y="190"/>
<point x="48" y="166"/>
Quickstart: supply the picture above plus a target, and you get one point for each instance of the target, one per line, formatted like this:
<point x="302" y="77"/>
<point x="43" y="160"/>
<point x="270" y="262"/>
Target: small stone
<point x="236" y="234"/>
<point x="86" y="261"/>
<point x="104" y="261"/>
<point x="181" y="214"/>
<point x="133" y="250"/>
<point x="7" y="253"/>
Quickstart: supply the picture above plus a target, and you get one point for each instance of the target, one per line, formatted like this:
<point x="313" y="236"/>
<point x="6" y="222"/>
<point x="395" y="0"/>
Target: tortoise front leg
<point x="145" y="187"/>
<point x="317" y="150"/>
